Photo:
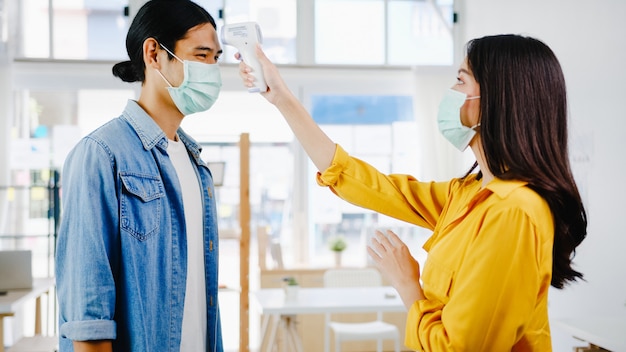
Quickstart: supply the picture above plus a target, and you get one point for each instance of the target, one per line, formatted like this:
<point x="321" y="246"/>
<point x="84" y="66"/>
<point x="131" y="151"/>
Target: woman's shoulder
<point x="516" y="195"/>
<point x="469" y="181"/>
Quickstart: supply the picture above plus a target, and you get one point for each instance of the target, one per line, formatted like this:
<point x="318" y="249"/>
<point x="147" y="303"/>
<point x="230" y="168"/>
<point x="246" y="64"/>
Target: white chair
<point x="373" y="330"/>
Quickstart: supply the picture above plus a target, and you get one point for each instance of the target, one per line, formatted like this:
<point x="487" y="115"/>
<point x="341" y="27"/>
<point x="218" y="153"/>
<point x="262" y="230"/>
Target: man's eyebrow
<point x="206" y="48"/>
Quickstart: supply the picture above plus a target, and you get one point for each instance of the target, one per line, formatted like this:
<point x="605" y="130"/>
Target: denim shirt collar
<point x="152" y="135"/>
<point x="191" y="144"/>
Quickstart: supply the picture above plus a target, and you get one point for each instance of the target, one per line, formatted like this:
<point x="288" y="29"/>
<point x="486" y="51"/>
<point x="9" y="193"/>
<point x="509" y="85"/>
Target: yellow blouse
<point x="489" y="263"/>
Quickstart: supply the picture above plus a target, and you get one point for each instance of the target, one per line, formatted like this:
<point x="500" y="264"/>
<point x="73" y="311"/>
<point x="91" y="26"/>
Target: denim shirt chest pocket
<point x="141" y="204"/>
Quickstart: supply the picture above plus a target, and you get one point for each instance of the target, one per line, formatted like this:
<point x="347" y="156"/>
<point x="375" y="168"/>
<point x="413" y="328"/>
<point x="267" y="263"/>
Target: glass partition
<point x="384" y="32"/>
<point x="380" y="130"/>
<point x="346" y="32"/>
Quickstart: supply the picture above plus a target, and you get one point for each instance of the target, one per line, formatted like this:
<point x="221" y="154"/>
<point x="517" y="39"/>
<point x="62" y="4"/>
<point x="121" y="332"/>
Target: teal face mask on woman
<point x="200" y="88"/>
<point x="449" y="119"/>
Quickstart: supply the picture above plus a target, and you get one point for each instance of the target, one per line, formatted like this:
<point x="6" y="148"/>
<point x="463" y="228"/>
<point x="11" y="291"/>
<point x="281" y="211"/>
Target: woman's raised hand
<point x="276" y="87"/>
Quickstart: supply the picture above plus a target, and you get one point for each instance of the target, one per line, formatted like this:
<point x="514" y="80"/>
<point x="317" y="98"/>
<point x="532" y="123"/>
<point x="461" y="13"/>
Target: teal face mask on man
<point x="200" y="88"/>
<point x="449" y="119"/>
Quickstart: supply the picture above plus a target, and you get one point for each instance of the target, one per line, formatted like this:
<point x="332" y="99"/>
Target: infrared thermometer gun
<point x="244" y="36"/>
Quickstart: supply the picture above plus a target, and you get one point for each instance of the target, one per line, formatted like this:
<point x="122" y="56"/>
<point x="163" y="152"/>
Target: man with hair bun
<point x="137" y="255"/>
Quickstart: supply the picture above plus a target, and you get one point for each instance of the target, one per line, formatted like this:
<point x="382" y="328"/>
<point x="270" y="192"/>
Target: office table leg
<point x="287" y="324"/>
<point x="2" y="316"/>
<point x="275" y="321"/>
<point x="264" y="325"/>
<point x="292" y="332"/>
<point x="285" y="328"/>
<point x="38" y="316"/>
<point x="326" y="332"/>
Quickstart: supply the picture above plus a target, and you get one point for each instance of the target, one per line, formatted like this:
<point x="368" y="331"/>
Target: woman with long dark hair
<point x="502" y="235"/>
<point x="524" y="82"/>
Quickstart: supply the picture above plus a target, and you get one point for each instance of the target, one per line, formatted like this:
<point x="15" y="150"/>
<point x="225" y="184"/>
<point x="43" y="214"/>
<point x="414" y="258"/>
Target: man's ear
<point x="150" y="53"/>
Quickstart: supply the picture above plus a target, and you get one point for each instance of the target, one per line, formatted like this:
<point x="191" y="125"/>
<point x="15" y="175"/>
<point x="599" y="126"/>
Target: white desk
<point x="319" y="300"/>
<point x="12" y="301"/>
<point x="606" y="332"/>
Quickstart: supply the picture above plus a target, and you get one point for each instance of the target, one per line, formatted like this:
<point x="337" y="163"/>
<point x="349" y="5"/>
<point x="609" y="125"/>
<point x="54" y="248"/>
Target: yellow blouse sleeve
<point x="493" y="295"/>
<point x="398" y="196"/>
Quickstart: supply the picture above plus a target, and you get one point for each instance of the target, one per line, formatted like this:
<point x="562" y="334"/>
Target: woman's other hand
<point x="394" y="260"/>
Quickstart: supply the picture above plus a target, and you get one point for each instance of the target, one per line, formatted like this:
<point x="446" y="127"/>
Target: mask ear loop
<point x="165" y="79"/>
<point x="472" y="98"/>
<point x="177" y="58"/>
<point x="159" y="72"/>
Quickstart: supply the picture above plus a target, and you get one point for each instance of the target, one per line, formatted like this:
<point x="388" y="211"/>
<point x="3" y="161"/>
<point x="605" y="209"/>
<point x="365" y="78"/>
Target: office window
<point x="35" y="29"/>
<point x="347" y="32"/>
<point x="350" y="32"/>
<point x="278" y="22"/>
<point x="96" y="30"/>
<point x="73" y="29"/>
<point x="361" y="109"/>
<point x="4" y="35"/>
<point x="383" y="32"/>
<point x="420" y="33"/>
<point x="380" y="130"/>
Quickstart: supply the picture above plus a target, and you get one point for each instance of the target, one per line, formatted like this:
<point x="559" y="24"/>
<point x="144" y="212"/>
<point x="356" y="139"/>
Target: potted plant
<point x="337" y="245"/>
<point x="291" y="288"/>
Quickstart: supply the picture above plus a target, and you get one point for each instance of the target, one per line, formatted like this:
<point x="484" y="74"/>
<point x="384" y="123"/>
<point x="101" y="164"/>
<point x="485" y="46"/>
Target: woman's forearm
<point x="410" y="294"/>
<point x="315" y="142"/>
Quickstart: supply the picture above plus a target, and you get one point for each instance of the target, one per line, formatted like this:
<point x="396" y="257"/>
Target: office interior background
<point x="371" y="72"/>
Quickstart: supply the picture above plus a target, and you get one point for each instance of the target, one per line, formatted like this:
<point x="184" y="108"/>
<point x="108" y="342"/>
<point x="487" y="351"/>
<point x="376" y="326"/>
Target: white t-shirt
<point x="194" y="316"/>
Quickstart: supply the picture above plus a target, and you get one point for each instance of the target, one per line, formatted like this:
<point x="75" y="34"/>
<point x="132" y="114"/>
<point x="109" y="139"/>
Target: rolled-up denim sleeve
<point x="88" y="244"/>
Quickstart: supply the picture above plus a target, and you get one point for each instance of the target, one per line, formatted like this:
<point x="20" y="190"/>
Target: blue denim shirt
<point x="121" y="261"/>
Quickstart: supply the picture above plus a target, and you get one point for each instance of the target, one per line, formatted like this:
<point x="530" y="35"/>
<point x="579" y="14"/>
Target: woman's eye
<point x="459" y="81"/>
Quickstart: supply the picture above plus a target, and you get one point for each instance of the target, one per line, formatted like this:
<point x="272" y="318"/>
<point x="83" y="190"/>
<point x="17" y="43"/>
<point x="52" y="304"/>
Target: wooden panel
<point x="244" y="242"/>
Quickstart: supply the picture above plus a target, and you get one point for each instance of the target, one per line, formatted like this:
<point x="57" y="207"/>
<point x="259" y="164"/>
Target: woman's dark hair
<point x="167" y="21"/>
<point x="523" y="127"/>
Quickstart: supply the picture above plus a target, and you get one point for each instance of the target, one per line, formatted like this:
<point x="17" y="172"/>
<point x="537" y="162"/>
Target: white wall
<point x="588" y="38"/>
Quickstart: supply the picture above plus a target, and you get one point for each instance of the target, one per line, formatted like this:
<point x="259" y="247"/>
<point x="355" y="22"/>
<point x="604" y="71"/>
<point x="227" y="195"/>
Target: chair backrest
<point x="277" y="254"/>
<point x="364" y="277"/>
